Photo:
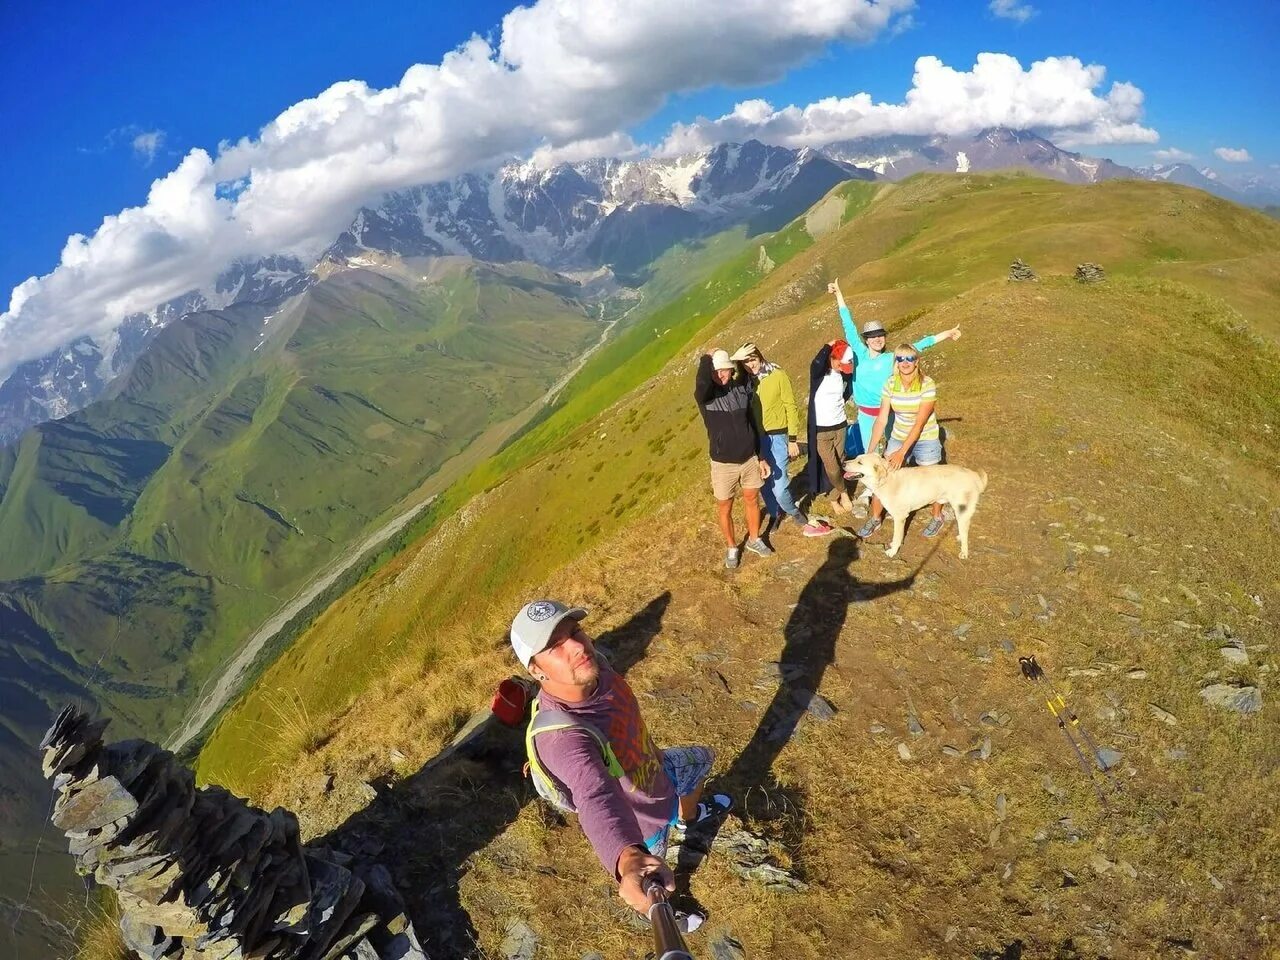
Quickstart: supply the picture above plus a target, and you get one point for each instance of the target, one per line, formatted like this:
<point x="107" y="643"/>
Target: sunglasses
<point x="873" y="334"/>
<point x="904" y="359"/>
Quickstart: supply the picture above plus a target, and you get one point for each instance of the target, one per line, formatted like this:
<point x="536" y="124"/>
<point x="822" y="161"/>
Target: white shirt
<point x="828" y="402"/>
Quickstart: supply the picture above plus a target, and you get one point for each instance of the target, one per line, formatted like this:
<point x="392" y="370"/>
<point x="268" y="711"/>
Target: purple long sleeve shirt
<point x="615" y="812"/>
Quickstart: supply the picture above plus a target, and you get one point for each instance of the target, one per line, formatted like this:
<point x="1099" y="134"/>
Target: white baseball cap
<point x="532" y="628"/>
<point x="720" y="360"/>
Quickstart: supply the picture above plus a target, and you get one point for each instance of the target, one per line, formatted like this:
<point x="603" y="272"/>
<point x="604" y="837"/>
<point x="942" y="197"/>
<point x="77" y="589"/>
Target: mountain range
<point x="610" y="213"/>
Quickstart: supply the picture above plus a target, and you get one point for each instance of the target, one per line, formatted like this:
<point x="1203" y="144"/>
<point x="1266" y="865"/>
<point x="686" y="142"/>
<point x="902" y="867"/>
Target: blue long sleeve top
<point x="871" y="372"/>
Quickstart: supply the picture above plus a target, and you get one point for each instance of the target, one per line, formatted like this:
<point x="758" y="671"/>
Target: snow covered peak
<point x="554" y="215"/>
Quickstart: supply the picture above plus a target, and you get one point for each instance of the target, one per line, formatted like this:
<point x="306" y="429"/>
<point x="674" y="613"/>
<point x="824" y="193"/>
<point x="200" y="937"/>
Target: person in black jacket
<point x="724" y="399"/>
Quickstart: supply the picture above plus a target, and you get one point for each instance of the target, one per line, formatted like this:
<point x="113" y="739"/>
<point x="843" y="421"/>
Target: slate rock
<point x="1234" y="655"/>
<point x="1161" y="714"/>
<point x="95" y="806"/>
<point x="727" y="948"/>
<point x="748" y="856"/>
<point x="1219" y="633"/>
<point x="818" y="706"/>
<point x="1019" y="271"/>
<point x="1230" y="697"/>
<point x="1108" y="758"/>
<point x="520" y="943"/>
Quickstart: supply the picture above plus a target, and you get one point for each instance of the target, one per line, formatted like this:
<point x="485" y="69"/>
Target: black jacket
<point x="726" y="411"/>
<point x="818" y="371"/>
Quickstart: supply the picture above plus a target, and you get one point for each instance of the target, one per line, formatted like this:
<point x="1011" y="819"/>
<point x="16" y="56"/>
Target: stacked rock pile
<point x="1018" y="270"/>
<point x="201" y="874"/>
<point x="1090" y="273"/>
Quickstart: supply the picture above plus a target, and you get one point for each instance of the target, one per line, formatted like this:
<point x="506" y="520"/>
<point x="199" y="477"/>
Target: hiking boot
<point x="817" y="528"/>
<point x="759" y="547"/>
<point x="935" y="526"/>
<point x="869" y="528"/>
<point x="732" y="557"/>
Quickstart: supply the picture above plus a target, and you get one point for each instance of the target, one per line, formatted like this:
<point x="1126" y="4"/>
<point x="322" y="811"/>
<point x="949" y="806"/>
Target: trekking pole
<point x="668" y="944"/>
<point x="1065" y="715"/>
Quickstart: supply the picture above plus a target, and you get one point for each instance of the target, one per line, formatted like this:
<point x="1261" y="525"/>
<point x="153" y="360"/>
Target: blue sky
<point x="83" y="81"/>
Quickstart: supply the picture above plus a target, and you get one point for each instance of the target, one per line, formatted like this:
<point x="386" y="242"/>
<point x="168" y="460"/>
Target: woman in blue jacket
<point x="873" y="368"/>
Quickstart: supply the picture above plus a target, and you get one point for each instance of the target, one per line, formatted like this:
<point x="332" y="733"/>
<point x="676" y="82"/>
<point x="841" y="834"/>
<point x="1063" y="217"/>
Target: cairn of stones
<point x="1090" y="273"/>
<point x="1018" y="270"/>
<point x="201" y="874"/>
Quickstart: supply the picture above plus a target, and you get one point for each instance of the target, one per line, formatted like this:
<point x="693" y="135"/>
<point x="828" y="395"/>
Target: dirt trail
<point x="227" y="683"/>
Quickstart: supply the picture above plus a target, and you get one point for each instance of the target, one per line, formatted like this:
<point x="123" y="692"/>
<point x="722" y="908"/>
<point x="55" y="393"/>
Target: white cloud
<point x="1012" y="10"/>
<point x="1172" y="155"/>
<point x="562" y="72"/>
<point x="147" y="144"/>
<point x="1054" y="96"/>
<point x="1233" y="154"/>
<point x="614" y="145"/>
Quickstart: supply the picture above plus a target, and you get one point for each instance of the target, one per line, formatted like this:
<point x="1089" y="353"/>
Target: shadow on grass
<point x="426" y="827"/>
<point x="810" y="638"/>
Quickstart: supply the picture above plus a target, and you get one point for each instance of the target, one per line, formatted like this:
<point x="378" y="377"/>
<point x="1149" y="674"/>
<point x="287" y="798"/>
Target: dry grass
<point x="1111" y="473"/>
<point x="98" y="931"/>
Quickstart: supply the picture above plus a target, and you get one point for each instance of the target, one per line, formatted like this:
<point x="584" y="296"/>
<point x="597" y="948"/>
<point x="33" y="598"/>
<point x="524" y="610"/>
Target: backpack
<point x="544" y="721"/>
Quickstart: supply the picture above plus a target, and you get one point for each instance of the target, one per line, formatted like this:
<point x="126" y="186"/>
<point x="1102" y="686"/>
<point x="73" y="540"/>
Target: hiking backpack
<point x="548" y="787"/>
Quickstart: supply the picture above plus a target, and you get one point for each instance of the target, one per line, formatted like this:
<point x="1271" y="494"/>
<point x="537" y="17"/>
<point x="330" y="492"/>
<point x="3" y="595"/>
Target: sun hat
<point x="842" y="350"/>
<point x="532" y="627"/>
<point x="720" y="360"/>
<point x="872" y="328"/>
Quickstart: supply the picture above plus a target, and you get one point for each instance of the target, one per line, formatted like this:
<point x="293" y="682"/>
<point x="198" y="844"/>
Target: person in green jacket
<point x="773" y="406"/>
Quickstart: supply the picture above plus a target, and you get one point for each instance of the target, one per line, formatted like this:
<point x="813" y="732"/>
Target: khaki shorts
<point x="728" y="478"/>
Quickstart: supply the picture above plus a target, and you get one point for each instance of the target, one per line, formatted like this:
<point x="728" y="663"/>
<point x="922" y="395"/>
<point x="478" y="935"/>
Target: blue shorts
<point x="686" y="768"/>
<point x="925" y="453"/>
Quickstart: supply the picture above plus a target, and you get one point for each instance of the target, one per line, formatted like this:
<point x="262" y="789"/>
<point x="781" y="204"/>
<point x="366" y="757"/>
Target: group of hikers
<point x="748" y="406"/>
<point x="589" y="750"/>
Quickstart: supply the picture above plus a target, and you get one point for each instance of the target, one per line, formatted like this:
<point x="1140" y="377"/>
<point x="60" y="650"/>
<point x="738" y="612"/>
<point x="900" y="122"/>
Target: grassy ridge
<point x="1107" y="417"/>
<point x="618" y="368"/>
<point x="912" y="246"/>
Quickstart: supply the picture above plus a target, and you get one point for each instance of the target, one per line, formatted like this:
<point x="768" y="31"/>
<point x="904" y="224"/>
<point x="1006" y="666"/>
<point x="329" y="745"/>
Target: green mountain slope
<point x="1129" y="429"/>
<point x="144" y="537"/>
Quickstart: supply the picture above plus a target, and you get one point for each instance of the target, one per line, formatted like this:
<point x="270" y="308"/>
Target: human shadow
<point x="809" y="646"/>
<point x="425" y="828"/>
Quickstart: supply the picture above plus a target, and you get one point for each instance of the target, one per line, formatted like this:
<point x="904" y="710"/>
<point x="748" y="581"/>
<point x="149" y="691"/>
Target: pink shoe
<point x="816" y="528"/>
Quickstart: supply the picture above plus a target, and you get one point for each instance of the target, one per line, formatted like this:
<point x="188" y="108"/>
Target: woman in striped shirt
<point x="911" y="397"/>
